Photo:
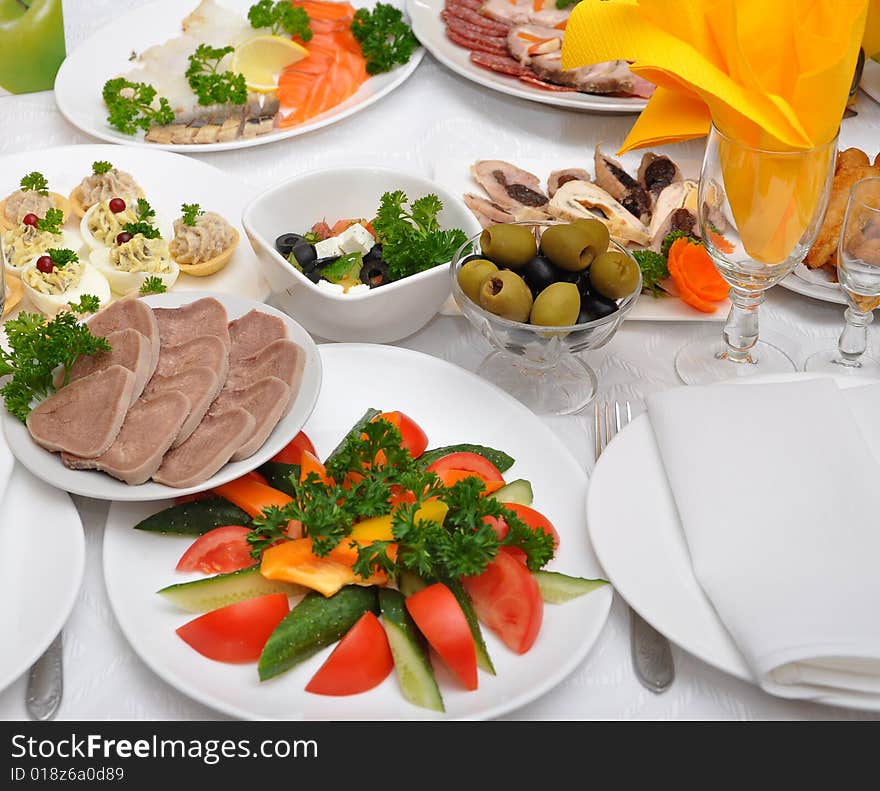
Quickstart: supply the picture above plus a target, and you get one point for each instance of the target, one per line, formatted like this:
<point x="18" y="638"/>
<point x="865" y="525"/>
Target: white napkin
<point x="778" y="490"/>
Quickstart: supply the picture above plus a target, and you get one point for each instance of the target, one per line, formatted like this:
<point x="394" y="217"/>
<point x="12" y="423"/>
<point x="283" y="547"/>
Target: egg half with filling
<point x="50" y="291"/>
<point x="23" y="244"/>
<point x="102" y="223"/>
<point x="126" y="266"/>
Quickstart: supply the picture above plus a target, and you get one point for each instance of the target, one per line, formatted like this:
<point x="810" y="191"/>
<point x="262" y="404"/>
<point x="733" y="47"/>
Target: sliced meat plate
<point x="205" y="316"/>
<point x="129" y="313"/>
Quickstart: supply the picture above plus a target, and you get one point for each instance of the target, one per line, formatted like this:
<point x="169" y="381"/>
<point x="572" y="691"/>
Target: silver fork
<point x="651" y="653"/>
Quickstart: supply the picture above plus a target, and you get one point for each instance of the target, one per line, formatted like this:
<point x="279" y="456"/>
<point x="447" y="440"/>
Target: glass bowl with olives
<point x="541" y="292"/>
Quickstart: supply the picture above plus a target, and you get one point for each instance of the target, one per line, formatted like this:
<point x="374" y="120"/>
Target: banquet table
<point x="433" y="118"/>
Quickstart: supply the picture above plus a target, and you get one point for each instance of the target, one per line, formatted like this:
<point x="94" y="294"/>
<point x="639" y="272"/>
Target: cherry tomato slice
<point x="467" y="461"/>
<point x="414" y="438"/>
<point x="218" y="551"/>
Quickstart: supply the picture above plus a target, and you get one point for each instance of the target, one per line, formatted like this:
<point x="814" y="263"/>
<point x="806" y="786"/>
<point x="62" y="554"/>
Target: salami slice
<point x="467" y="14"/>
<point x="484" y="44"/>
<point x="474" y="5"/>
<point x="533" y="79"/>
<point x="503" y="64"/>
<point x="474" y="32"/>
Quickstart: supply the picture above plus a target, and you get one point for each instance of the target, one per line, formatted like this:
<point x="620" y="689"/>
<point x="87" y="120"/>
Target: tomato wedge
<point x="535" y="520"/>
<point x="467" y="461"/>
<point x="440" y="619"/>
<point x="291" y="453"/>
<point x="238" y="632"/>
<point x="414" y="439"/>
<point x="506" y="598"/>
<point x="218" y="551"/>
<point x="361" y="661"/>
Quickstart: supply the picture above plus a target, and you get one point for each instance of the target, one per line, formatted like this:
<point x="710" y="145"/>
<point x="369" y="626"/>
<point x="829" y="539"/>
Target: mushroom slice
<point x="578" y="199"/>
<point x="612" y="178"/>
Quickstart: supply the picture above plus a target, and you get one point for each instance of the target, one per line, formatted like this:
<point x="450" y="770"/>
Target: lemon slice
<point x="262" y="58"/>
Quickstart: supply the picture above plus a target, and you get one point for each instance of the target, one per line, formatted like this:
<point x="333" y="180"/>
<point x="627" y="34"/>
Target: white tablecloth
<point x="434" y="115"/>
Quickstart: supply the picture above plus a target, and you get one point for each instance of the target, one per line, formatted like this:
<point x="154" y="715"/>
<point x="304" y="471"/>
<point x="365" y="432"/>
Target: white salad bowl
<point x="380" y="315"/>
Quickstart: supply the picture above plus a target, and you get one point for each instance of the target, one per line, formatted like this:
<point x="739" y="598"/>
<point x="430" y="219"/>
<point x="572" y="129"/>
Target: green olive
<point x="472" y="275"/>
<point x="511" y="246"/>
<point x="575" y="246"/>
<point x="557" y="305"/>
<point x="614" y="275"/>
<point x="506" y="294"/>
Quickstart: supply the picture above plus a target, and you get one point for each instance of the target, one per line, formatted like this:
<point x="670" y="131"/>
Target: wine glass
<point x="858" y="269"/>
<point x="759" y="212"/>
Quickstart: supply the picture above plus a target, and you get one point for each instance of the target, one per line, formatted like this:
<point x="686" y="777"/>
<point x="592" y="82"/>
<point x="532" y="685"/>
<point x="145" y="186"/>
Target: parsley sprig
<point x="52" y="222"/>
<point x="412" y="240"/>
<point x="653" y="264"/>
<point x="131" y="106"/>
<point x="144" y="211"/>
<point x="384" y="37"/>
<point x="36" y="348"/>
<point x="147" y="230"/>
<point x="191" y="212"/>
<point x="61" y="256"/>
<point x="101" y="166"/>
<point x="153" y="285"/>
<point x="211" y="86"/>
<point x="88" y="303"/>
<point x="281" y="17"/>
<point x="35" y="182"/>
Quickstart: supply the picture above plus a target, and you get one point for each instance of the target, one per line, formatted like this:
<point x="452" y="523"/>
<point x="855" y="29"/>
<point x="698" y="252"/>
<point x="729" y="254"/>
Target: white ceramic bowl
<point x="381" y="315"/>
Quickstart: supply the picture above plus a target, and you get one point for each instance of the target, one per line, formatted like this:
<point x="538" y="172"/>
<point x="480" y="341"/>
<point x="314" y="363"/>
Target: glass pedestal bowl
<point x="540" y="366"/>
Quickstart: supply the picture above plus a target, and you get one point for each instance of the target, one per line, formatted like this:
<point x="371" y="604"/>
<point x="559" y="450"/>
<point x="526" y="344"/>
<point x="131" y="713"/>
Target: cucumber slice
<point x="195" y="517"/>
<point x="224" y="589"/>
<point x="518" y="491"/>
<point x="409" y="583"/>
<point x="277" y="475"/>
<point x="557" y="588"/>
<point x="499" y="458"/>
<point x="414" y="672"/>
<point x="356" y="428"/>
<point x="313" y="624"/>
<point x="464" y="601"/>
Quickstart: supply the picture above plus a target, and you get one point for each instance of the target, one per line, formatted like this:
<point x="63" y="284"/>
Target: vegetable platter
<point x="173" y="635"/>
<point x="233" y="73"/>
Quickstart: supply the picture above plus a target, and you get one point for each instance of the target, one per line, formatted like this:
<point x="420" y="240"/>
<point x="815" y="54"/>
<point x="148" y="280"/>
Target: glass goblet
<point x="759" y="212"/>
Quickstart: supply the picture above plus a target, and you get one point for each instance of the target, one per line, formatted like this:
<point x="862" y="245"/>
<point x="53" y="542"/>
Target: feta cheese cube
<point x="328" y="248"/>
<point x="333" y="288"/>
<point x="356" y="239"/>
<point x="358" y="289"/>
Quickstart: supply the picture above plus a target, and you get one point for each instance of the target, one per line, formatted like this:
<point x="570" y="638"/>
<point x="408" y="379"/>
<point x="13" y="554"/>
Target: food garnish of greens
<point x="133" y="109"/>
<point x="671" y="237"/>
<point x="36" y="348"/>
<point x="328" y="512"/>
<point x="153" y="285"/>
<point x="101" y="166"/>
<point x="35" y="182"/>
<point x="190" y="212"/>
<point x="146" y="229"/>
<point x="653" y="264"/>
<point x="52" y="222"/>
<point x="88" y="303"/>
<point x="385" y="38"/>
<point x="62" y="256"/>
<point x="312" y="237"/>
<point x="280" y="17"/>
<point x="560" y="4"/>
<point x="412" y="241"/>
<point x="211" y="86"/>
<point x="144" y="210"/>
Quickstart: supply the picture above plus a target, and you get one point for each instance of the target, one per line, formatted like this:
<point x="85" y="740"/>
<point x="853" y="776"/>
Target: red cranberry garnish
<point x="117" y="205"/>
<point x="45" y="264"/>
<point x="30" y="219"/>
<point x="122" y="237"/>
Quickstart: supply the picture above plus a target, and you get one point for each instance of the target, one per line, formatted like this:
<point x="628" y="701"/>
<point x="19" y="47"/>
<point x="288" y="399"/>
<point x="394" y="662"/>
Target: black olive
<point x="473" y="257"/>
<point x="305" y="255"/>
<point x="582" y="281"/>
<point x="374" y="272"/>
<point x="595" y="306"/>
<point x="313" y="274"/>
<point x="375" y="253"/>
<point x="538" y="274"/>
<point x="285" y="243"/>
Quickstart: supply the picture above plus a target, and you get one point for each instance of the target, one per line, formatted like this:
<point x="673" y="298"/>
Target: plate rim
<point x="604" y="596"/>
<point x="110" y="136"/>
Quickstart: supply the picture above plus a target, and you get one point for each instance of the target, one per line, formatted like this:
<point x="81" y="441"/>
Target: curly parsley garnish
<point x="52" y="222"/>
<point x="385" y="38"/>
<point x="281" y="17"/>
<point x="191" y="212"/>
<point x="61" y="256"/>
<point x="211" y="86"/>
<point x="35" y="182"/>
<point x="146" y="230"/>
<point x="88" y="303"/>
<point x="100" y="167"/>
<point x="36" y="348"/>
<point x="412" y="241"/>
<point x="653" y="264"/>
<point x="153" y="285"/>
<point x="131" y="106"/>
<point x="144" y="211"/>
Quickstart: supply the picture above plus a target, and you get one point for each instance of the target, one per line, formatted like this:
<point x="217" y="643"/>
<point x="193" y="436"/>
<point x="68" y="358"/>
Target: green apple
<point x="31" y="44"/>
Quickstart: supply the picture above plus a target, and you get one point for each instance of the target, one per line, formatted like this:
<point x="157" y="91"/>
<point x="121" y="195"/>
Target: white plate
<point x="106" y="54"/>
<point x="92" y="483"/>
<point x="168" y="180"/>
<point x="455" y="175"/>
<point x="641" y="545"/>
<point x="431" y="31"/>
<point x="47" y="537"/>
<point x="358" y="376"/>
<point x="815" y="283"/>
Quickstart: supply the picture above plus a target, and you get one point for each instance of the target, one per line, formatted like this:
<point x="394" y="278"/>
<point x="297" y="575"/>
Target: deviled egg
<point x="104" y="221"/>
<point x="27" y="241"/>
<point x="135" y="257"/>
<point x="56" y="278"/>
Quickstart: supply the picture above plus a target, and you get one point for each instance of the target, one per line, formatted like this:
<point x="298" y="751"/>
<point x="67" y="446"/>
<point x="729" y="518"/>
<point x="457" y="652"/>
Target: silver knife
<point x="45" y="683"/>
<point x="651" y="654"/>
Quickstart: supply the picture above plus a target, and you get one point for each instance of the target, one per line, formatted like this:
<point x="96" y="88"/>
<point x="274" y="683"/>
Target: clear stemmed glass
<point x="759" y="212"/>
<point x="858" y="269"/>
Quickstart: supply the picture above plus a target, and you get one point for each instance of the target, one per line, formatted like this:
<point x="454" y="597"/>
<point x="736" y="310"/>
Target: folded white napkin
<point x="778" y="490"/>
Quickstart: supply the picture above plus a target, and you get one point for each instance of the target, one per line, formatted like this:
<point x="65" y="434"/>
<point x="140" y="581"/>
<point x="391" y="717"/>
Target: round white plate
<point x="168" y="180"/>
<point x="452" y="405"/>
<point x="42" y="557"/>
<point x="106" y="54"/>
<point x="431" y="31"/>
<point x="92" y="483"/>
<point x="642" y="548"/>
